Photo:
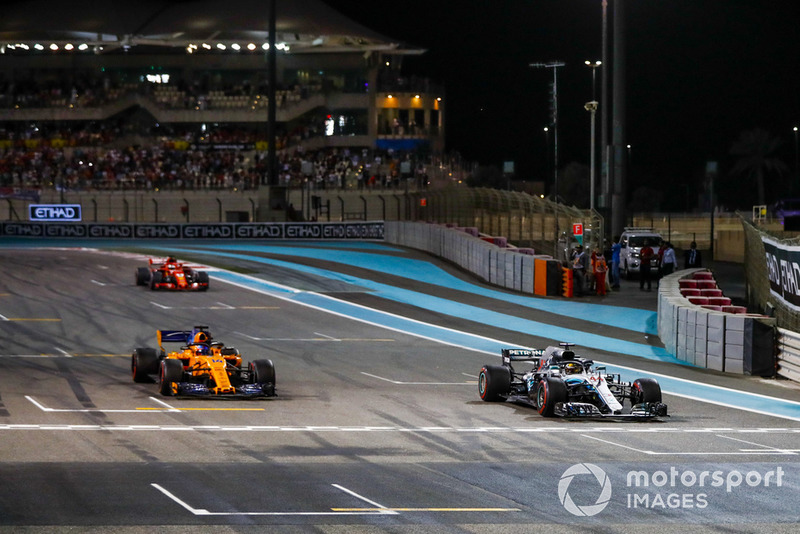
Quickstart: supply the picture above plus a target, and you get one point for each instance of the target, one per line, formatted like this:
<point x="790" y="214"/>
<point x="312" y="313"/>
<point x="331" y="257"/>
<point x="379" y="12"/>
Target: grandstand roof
<point x="302" y="26"/>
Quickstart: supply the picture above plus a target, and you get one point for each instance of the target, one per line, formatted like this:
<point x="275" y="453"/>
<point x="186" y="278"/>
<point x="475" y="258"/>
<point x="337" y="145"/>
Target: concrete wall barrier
<point x="488" y="258"/>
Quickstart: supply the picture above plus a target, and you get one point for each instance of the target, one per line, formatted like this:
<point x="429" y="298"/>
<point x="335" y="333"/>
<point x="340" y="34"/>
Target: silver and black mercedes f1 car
<point x="565" y="385"/>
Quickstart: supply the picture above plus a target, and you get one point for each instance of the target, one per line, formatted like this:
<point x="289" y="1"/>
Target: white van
<point x="631" y="241"/>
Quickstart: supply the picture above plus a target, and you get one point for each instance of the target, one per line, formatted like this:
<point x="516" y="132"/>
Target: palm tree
<point x="756" y="152"/>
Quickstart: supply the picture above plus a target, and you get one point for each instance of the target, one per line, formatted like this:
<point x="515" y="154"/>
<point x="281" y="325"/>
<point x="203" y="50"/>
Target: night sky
<point x="699" y="73"/>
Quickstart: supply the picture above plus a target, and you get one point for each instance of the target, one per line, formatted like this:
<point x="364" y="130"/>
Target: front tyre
<point x="550" y="391"/>
<point x="494" y="382"/>
<point x="262" y="372"/>
<point x="171" y="372"/>
<point x="144" y="362"/>
<point x="645" y="390"/>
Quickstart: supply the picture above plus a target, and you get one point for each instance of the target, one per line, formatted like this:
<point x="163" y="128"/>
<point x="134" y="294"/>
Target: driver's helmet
<point x="201" y="349"/>
<point x="201" y="337"/>
<point x="572" y="368"/>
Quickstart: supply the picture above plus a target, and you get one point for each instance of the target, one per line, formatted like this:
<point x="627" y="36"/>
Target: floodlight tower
<point x="554" y="117"/>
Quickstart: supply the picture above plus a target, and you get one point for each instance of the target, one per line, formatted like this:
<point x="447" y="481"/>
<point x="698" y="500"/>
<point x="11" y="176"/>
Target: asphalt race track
<point x="377" y="425"/>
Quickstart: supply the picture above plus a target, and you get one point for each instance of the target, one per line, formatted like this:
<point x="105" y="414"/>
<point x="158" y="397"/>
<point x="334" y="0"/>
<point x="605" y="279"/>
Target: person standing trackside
<point x="692" y="258"/>
<point x="599" y="267"/>
<point x="646" y="254"/>
<point x="669" y="261"/>
<point x="616" y="248"/>
<point x="580" y="270"/>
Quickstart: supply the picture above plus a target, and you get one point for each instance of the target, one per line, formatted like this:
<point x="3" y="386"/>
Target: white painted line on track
<point x="98" y="283"/>
<point x="63" y="352"/>
<point x="368" y="501"/>
<point x="610" y="429"/>
<point x="322" y="338"/>
<point x="101" y="410"/>
<point x="381" y="510"/>
<point x="763" y="447"/>
<point x="418" y="383"/>
<point x="169" y="408"/>
<point x="740" y="452"/>
<point x="326" y="336"/>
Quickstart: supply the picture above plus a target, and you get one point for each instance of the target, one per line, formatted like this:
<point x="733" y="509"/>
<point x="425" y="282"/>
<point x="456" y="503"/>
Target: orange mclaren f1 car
<point x="201" y="367"/>
<point x="171" y="274"/>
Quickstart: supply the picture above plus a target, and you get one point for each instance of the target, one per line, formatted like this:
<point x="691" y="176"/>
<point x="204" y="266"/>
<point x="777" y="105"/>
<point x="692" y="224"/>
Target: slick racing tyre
<point x="142" y="276"/>
<point x="550" y="391"/>
<point x="157" y="278"/>
<point x="144" y="362"/>
<point x="201" y="277"/>
<point x="170" y="374"/>
<point x="645" y="390"/>
<point x="263" y="372"/>
<point x="494" y="382"/>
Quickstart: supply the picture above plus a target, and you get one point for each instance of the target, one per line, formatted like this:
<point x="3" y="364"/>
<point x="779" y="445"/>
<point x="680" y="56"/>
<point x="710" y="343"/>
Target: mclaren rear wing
<point x="184" y="337"/>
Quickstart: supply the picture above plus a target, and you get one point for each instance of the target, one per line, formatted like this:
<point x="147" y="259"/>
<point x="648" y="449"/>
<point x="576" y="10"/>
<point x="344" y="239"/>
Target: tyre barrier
<point x="700" y="326"/>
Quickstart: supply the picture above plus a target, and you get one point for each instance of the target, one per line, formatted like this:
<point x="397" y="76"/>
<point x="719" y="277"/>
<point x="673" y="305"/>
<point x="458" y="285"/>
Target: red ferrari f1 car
<point x="171" y="274"/>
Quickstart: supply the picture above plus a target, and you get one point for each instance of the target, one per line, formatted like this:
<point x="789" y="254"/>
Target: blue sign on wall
<point x="54" y="212"/>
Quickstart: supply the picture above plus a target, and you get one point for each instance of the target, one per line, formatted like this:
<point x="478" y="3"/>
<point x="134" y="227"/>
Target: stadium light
<point x="236" y="46"/>
<point x="38" y="46"/>
<point x="68" y="46"/>
<point x="53" y="47"/>
<point x="83" y="46"/>
<point x="207" y="46"/>
<point x="251" y="47"/>
<point x="221" y="46"/>
<point x="265" y="46"/>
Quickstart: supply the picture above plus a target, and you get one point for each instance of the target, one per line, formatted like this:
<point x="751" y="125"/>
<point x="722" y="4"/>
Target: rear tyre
<point x="170" y="374"/>
<point x="157" y="278"/>
<point x="142" y="276"/>
<point x="202" y="279"/>
<point x="550" y="391"/>
<point x="144" y="362"/>
<point x="494" y="382"/>
<point x="645" y="390"/>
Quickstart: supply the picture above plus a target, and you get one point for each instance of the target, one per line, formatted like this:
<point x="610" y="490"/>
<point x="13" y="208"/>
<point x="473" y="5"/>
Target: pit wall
<point x="709" y="336"/>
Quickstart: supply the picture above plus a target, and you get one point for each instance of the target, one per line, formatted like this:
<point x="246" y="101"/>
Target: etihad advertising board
<point x="783" y="268"/>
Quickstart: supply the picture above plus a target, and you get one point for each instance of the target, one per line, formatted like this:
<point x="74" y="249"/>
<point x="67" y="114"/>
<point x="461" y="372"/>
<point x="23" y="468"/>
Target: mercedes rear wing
<point x="521" y="355"/>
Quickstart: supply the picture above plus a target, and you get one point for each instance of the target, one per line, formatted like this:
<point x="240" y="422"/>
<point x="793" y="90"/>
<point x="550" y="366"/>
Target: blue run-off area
<point x="423" y="271"/>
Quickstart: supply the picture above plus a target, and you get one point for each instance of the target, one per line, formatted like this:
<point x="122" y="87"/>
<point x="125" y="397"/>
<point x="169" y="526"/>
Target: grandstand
<point x="195" y="74"/>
